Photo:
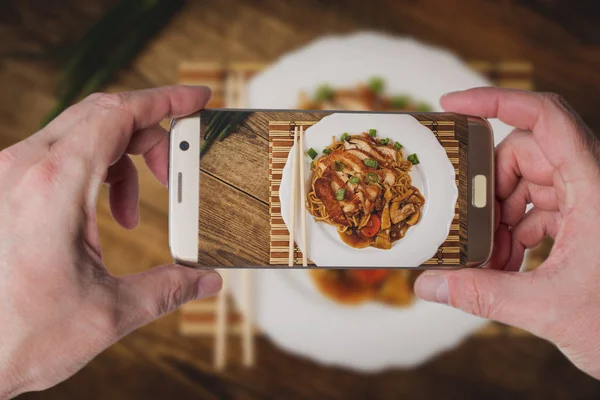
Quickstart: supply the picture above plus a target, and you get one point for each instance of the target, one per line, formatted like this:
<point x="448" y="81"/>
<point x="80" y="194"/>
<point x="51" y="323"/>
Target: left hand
<point x="59" y="305"/>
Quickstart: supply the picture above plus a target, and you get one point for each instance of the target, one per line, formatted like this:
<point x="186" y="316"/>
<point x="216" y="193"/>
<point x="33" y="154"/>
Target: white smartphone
<point x="258" y="188"/>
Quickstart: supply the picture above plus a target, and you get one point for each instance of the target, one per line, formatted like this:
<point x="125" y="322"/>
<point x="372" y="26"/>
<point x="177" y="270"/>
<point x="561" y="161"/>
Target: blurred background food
<point x="371" y="95"/>
<point x="56" y="52"/>
<point x="355" y="286"/>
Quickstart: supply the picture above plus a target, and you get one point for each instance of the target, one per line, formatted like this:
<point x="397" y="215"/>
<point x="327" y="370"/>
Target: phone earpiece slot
<point x="179" y="187"/>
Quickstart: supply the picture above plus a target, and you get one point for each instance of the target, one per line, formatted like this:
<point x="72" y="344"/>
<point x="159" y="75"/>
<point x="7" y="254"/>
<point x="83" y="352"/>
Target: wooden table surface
<point x="561" y="41"/>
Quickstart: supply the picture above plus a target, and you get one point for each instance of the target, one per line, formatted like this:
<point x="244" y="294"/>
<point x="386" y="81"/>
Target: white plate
<point x="288" y="308"/>
<point x="433" y="176"/>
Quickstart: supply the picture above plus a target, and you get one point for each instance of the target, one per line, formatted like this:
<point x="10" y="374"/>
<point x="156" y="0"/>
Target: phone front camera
<point x="184" y="145"/>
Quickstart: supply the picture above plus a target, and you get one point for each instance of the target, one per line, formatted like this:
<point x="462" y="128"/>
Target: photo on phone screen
<point x="334" y="189"/>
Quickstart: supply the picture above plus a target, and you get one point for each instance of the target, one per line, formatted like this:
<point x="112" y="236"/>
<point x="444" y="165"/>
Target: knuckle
<point x="72" y="163"/>
<point x="582" y="134"/>
<point x="108" y="105"/>
<point x="54" y="165"/>
<point x="554" y="98"/>
<point x="71" y="113"/>
<point x="43" y="173"/>
<point x="106" y="100"/>
<point x="6" y="158"/>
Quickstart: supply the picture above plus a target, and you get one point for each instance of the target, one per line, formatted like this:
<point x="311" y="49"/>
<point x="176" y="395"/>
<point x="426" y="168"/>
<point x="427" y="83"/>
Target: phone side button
<point x="479" y="197"/>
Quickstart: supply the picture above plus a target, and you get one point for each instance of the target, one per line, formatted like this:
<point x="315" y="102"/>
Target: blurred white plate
<point x="433" y="176"/>
<point x="288" y="308"/>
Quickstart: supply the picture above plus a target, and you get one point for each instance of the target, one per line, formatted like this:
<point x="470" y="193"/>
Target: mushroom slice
<point x="400" y="214"/>
<point x="413" y="219"/>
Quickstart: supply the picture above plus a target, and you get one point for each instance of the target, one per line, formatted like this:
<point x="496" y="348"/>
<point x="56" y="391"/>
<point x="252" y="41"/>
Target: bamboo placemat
<point x="197" y="318"/>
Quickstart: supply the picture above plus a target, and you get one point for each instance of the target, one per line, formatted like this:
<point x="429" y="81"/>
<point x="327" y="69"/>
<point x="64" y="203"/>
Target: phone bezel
<point x="184" y="193"/>
<point x="480" y="221"/>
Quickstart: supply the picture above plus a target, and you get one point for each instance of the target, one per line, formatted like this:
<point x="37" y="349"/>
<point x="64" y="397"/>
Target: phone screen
<point x="332" y="189"/>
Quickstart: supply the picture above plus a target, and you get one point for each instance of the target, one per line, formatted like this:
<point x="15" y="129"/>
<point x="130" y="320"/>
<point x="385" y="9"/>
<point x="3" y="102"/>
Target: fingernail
<point x="432" y="286"/>
<point x="209" y="284"/>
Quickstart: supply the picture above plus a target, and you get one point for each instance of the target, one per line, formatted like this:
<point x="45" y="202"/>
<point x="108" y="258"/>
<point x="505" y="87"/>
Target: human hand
<point x="551" y="161"/>
<point x="59" y="305"/>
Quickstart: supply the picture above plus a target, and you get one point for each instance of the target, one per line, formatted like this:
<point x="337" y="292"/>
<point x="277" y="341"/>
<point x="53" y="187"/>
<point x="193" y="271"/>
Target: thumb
<point x="507" y="297"/>
<point x="145" y="297"/>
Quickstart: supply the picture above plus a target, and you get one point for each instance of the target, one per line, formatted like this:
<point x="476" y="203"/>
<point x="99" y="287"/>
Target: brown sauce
<point x="356" y="240"/>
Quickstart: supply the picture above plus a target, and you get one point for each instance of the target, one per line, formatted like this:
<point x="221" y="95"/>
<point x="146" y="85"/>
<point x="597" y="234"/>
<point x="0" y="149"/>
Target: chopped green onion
<point x="400" y="101"/>
<point x="370" y="163"/>
<point x="384" y="141"/>
<point x="340" y="194"/>
<point x="373" y="177"/>
<point x="339" y="166"/>
<point x="312" y="164"/>
<point x="311" y="153"/>
<point x="345" y="136"/>
<point x="423" y="107"/>
<point x="373" y="132"/>
<point x="413" y="158"/>
<point x="354" y="180"/>
<point x="376" y="84"/>
<point x="397" y="146"/>
<point x="324" y="92"/>
<point x="326" y="151"/>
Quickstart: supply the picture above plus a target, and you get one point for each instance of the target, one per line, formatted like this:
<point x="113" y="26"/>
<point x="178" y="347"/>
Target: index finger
<point x="110" y="120"/>
<point x="558" y="130"/>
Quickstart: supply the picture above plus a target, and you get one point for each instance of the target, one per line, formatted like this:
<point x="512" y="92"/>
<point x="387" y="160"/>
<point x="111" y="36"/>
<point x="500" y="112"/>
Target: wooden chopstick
<point x="221" y="327"/>
<point x="247" y="331"/>
<point x="235" y="97"/>
<point x="232" y="86"/>
<point x="302" y="196"/>
<point x="229" y="91"/>
<point x="292" y="226"/>
<point x="241" y="91"/>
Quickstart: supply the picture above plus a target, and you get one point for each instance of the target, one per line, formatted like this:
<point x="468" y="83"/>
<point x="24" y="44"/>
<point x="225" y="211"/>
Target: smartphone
<point x="331" y="189"/>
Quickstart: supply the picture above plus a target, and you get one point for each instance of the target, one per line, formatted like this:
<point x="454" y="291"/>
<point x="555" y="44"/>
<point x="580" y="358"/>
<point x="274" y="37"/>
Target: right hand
<point x="551" y="160"/>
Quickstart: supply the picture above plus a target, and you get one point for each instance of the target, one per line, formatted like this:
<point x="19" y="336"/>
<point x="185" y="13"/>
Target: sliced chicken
<point x="386" y="176"/>
<point x="351" y="207"/>
<point x="351" y="162"/>
<point x="372" y="191"/>
<point x="361" y="155"/>
<point x="351" y="203"/>
<point x="349" y="146"/>
<point x="325" y="193"/>
<point x="336" y="180"/>
<point x="388" y="151"/>
<point x="370" y="149"/>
